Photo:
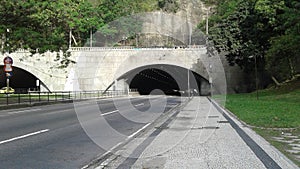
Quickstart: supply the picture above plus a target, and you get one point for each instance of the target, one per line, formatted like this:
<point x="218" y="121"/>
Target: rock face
<point x="193" y="10"/>
<point x="164" y="28"/>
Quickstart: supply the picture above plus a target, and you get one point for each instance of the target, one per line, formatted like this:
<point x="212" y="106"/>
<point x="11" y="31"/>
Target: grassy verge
<point x="276" y="112"/>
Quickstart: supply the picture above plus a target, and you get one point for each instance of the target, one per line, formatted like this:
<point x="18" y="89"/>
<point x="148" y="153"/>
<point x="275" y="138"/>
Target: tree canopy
<point x="263" y="30"/>
<point x="45" y="25"/>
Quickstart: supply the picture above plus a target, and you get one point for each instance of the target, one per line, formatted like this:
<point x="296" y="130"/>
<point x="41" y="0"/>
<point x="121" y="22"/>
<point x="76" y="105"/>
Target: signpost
<point x="8" y="61"/>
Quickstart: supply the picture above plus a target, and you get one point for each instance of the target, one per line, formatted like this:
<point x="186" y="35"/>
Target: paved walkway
<point x="199" y="136"/>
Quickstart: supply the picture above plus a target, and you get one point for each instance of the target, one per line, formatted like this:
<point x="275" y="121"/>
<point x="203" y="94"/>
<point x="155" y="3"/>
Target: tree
<point x="117" y="19"/>
<point x="231" y="32"/>
<point x="168" y="5"/>
<point x="263" y="30"/>
<point x="45" y="25"/>
<point x="283" y="56"/>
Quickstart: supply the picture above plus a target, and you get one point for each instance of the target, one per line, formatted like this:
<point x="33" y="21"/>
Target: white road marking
<point x="24" y="136"/>
<point x="24" y="111"/>
<point x="104" y="114"/>
<point x="141" y="104"/>
<point x="107" y="161"/>
<point x="104" y="163"/>
<point x="135" y="133"/>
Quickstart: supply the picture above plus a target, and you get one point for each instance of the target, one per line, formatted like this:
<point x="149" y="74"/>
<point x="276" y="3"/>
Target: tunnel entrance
<point x="21" y="80"/>
<point x="172" y="80"/>
<point x="150" y="79"/>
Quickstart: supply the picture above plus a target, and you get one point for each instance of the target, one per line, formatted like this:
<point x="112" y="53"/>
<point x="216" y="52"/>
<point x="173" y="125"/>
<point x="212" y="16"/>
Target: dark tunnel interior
<point x="172" y="80"/>
<point x="21" y="80"/>
<point x="150" y="79"/>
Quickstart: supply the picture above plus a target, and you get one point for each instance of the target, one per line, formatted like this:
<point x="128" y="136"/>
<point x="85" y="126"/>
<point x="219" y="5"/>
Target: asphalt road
<point x="52" y="136"/>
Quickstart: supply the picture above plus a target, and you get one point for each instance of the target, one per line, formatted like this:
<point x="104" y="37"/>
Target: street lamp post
<point x="188" y="77"/>
<point x="256" y="78"/>
<point x="207" y="12"/>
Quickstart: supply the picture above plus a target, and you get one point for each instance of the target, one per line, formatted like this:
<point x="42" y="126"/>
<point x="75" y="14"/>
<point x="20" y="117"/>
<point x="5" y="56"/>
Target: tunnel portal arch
<point x="170" y="79"/>
<point x="21" y="80"/>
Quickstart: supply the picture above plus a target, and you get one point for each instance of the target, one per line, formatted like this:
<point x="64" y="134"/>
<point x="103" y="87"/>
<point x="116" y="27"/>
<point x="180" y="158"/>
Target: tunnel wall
<point x="46" y="67"/>
<point x="99" y="69"/>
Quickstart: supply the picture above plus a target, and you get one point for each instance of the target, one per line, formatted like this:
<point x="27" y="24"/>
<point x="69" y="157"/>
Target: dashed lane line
<point x="108" y="113"/>
<point x="23" y="136"/>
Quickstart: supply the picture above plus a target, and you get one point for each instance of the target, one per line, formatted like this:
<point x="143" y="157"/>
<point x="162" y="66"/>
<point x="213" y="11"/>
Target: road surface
<point x="51" y="136"/>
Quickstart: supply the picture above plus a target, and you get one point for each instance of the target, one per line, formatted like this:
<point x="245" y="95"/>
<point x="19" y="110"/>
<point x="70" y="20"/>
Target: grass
<point x="276" y="110"/>
<point x="282" y="147"/>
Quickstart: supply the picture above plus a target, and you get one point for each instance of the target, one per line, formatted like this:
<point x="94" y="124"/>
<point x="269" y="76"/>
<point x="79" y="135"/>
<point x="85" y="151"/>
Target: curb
<point x="103" y="160"/>
<point x="258" y="149"/>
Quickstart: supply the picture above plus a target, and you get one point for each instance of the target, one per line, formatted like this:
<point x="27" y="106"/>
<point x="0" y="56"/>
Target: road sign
<point x="8" y="61"/>
<point x="8" y="74"/>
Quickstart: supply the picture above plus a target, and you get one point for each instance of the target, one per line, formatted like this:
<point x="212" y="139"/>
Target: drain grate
<point x="206" y="127"/>
<point x="223" y="121"/>
<point x="211" y="127"/>
<point x="161" y="128"/>
<point x="213" y="116"/>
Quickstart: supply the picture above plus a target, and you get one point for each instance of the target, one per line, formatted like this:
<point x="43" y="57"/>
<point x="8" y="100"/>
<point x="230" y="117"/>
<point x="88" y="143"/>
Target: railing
<point x="47" y="97"/>
<point x="78" y="49"/>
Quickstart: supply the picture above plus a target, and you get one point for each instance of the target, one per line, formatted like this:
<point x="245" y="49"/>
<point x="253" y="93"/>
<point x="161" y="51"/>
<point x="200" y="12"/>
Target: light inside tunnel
<point x="171" y="80"/>
<point x="21" y="80"/>
<point x="150" y="79"/>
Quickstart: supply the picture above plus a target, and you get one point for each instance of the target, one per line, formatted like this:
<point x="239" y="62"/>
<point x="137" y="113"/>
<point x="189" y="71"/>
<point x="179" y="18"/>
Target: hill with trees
<point x="258" y="33"/>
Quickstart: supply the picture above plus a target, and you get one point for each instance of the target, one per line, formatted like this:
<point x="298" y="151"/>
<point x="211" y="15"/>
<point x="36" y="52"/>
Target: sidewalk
<point x="200" y="136"/>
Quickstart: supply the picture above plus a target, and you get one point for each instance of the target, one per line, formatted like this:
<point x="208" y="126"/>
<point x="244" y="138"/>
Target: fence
<point x="44" y="97"/>
<point x="189" y="47"/>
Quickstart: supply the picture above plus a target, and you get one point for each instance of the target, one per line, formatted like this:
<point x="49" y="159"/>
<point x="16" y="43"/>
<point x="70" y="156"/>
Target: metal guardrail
<point x="58" y="96"/>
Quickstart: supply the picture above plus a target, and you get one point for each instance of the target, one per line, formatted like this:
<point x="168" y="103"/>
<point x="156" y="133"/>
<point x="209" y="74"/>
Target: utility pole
<point x="207" y="11"/>
<point x="256" y="78"/>
<point x="91" y="38"/>
<point x="189" y="90"/>
<point x="70" y="39"/>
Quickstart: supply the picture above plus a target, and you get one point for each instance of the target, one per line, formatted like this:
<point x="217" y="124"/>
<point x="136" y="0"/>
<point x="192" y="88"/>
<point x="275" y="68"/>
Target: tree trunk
<point x="292" y="68"/>
<point x="275" y="81"/>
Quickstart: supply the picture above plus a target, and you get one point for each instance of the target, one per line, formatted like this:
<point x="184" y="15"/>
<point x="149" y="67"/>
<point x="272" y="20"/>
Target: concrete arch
<point x="99" y="69"/>
<point x="185" y="58"/>
<point x="180" y="78"/>
<point x="44" y="67"/>
<point x="22" y="80"/>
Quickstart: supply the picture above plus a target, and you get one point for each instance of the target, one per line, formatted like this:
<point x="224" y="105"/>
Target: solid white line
<point x="24" y="136"/>
<point x="107" y="161"/>
<point x="141" y="104"/>
<point x="24" y="111"/>
<point x="104" y="114"/>
<point x="104" y="163"/>
<point x="135" y="133"/>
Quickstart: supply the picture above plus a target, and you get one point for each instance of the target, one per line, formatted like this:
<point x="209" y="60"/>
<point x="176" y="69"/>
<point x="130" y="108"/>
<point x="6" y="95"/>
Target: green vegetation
<point x="276" y="112"/>
<point x="168" y="5"/>
<point x="263" y="31"/>
<point x="275" y="108"/>
<point x="281" y="146"/>
<point x="46" y="25"/>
